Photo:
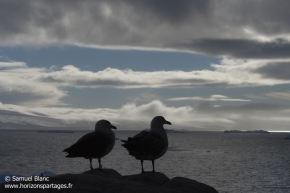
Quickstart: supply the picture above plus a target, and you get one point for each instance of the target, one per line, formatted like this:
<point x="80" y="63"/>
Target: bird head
<point x="158" y="122"/>
<point x="104" y="124"/>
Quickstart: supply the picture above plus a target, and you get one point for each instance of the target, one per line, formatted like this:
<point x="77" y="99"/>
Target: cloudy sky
<point x="203" y="64"/>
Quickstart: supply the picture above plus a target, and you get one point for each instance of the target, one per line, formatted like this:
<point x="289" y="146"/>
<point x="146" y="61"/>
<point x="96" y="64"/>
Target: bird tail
<point x="67" y="151"/>
<point x="70" y="153"/>
<point x="127" y="143"/>
<point x="130" y="146"/>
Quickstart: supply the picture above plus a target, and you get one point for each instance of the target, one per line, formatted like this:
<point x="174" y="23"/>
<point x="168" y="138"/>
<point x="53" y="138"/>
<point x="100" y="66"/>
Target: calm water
<point x="229" y="162"/>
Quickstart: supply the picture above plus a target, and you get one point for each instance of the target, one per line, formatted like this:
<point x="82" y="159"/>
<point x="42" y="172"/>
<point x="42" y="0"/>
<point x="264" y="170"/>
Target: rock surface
<point x="110" y="181"/>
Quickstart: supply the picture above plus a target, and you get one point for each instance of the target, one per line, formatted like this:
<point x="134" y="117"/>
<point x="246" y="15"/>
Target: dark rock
<point x="107" y="173"/>
<point x="110" y="181"/>
<point x="153" y="179"/>
<point x="187" y="185"/>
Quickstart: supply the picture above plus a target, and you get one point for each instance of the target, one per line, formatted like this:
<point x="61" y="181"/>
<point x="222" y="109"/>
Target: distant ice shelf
<point x="245" y="131"/>
<point x="169" y="131"/>
<point x="173" y="131"/>
<point x="54" y="131"/>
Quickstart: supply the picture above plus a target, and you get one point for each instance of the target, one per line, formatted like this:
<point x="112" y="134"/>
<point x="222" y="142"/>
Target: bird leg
<point x="153" y="166"/>
<point x="100" y="165"/>
<point x="91" y="163"/>
<point x="142" y="167"/>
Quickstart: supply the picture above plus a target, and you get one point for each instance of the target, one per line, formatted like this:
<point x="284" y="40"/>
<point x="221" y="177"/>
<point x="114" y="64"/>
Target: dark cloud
<point x="266" y="17"/>
<point x="171" y="11"/>
<point x="18" y="17"/>
<point x="10" y="24"/>
<point x="223" y="28"/>
<point x="49" y="15"/>
<point x="279" y="70"/>
<point x="239" y="48"/>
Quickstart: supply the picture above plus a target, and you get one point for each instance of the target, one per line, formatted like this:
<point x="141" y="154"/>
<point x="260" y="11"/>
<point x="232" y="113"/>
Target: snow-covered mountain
<point x="16" y="120"/>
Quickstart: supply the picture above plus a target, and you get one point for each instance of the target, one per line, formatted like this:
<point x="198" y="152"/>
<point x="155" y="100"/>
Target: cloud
<point x="12" y="64"/>
<point x="21" y="84"/>
<point x="276" y="95"/>
<point x="211" y="98"/>
<point x="242" y="29"/>
<point x="253" y="96"/>
<point x="230" y="72"/>
<point x="279" y="95"/>
<point x="170" y="10"/>
<point x="246" y="72"/>
<point x="239" y="48"/>
<point x="204" y="116"/>
<point x="17" y="86"/>
<point x="277" y="70"/>
<point x="115" y="78"/>
<point x="266" y="18"/>
<point x="144" y="97"/>
<point x="246" y="109"/>
<point x="250" y="116"/>
<point x="128" y="113"/>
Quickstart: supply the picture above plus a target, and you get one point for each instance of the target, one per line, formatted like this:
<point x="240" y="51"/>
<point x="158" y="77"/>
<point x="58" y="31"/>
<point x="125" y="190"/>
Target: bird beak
<point x="167" y="122"/>
<point x="113" y="127"/>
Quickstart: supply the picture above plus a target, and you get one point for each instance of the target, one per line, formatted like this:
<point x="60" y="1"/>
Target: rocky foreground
<point x="110" y="181"/>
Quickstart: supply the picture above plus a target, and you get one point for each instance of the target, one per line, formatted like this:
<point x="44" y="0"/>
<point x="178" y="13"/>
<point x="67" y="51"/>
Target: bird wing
<point x="91" y="144"/>
<point x="152" y="145"/>
<point x="145" y="144"/>
<point x="133" y="143"/>
<point x="140" y="135"/>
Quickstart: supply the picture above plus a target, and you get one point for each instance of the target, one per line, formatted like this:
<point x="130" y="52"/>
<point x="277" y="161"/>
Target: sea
<point x="229" y="162"/>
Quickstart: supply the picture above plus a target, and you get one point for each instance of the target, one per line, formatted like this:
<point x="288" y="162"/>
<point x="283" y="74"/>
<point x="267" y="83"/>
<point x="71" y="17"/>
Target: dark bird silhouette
<point x="149" y="145"/>
<point x="96" y="144"/>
